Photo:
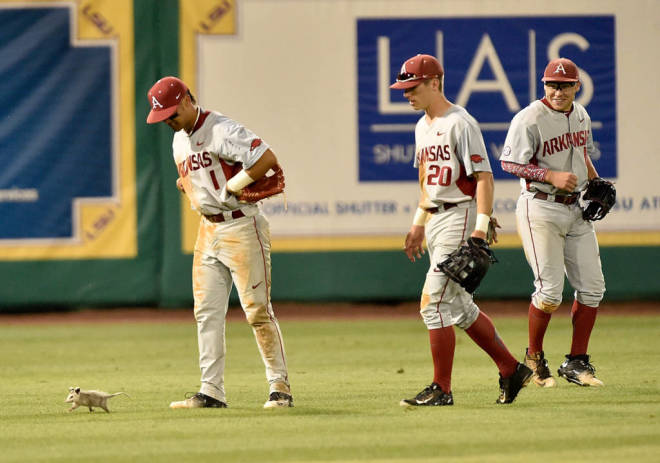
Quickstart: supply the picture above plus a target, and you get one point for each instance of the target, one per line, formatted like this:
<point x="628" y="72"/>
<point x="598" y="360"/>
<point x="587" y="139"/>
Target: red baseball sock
<point x="538" y="323"/>
<point x="584" y="318"/>
<point x="484" y="334"/>
<point x="443" y="343"/>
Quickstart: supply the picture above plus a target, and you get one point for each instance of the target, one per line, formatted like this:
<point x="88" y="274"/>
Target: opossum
<point x="89" y="399"/>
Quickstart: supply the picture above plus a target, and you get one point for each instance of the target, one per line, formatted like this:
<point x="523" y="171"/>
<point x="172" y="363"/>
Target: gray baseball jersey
<point x="450" y="150"/>
<point x="550" y="139"/>
<point x="205" y="160"/>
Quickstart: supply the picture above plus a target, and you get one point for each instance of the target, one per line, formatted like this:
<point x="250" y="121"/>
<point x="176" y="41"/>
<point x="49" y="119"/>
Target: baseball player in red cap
<point x="549" y="145"/>
<point x="456" y="202"/>
<point x="233" y="240"/>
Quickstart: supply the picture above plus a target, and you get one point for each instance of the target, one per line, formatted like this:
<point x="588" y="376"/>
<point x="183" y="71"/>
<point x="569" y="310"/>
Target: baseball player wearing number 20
<point x="548" y="146"/>
<point x="233" y="239"/>
<point x="455" y="205"/>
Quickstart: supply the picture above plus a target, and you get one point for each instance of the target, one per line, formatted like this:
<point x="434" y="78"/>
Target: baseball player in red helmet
<point x="456" y="201"/>
<point x="549" y="146"/>
<point x="233" y="240"/>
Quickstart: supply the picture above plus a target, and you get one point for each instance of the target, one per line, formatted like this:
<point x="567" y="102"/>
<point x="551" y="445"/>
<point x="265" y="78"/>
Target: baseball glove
<point x="264" y="187"/>
<point x="468" y="265"/>
<point x="597" y="199"/>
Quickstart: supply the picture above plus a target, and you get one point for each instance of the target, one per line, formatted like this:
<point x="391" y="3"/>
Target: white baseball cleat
<point x="279" y="400"/>
<point x="199" y="400"/>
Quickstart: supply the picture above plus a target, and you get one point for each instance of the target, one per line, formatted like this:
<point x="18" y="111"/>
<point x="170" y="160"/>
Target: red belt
<point x="558" y="198"/>
<point x="217" y="218"/>
<point x="445" y="206"/>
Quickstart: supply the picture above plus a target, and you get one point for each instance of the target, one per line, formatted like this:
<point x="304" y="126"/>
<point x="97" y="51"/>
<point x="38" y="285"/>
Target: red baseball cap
<point x="417" y="69"/>
<point x="561" y="70"/>
<point x="164" y="98"/>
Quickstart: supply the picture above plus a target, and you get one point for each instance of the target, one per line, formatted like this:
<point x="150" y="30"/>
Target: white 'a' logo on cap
<point x="560" y="67"/>
<point x="155" y="102"/>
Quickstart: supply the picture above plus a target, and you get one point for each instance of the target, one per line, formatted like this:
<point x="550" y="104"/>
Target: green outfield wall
<point x="389" y="276"/>
<point x="156" y="269"/>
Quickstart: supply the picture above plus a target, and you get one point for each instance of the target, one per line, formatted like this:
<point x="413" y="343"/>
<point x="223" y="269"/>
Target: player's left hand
<point x="413" y="246"/>
<point x="479" y="234"/>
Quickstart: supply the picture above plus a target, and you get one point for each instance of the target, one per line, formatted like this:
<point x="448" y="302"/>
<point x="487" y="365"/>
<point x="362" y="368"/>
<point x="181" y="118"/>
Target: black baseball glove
<point x="597" y="199"/>
<point x="468" y="265"/>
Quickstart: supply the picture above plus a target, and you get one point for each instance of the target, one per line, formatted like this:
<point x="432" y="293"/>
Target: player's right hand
<point x="414" y="246"/>
<point x="179" y="185"/>
<point x="566" y="181"/>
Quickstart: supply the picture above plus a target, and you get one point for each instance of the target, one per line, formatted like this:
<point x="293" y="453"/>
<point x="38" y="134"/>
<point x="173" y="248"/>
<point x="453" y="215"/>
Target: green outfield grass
<point x="347" y="379"/>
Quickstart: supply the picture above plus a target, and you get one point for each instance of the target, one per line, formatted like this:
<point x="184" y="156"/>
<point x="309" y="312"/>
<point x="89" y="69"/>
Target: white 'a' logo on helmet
<point x="560" y="67"/>
<point x="155" y="102"/>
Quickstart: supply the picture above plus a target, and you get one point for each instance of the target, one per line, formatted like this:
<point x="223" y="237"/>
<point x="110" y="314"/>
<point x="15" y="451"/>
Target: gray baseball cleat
<point x="432" y="395"/>
<point x="577" y="369"/>
<point x="511" y="385"/>
<point x="539" y="365"/>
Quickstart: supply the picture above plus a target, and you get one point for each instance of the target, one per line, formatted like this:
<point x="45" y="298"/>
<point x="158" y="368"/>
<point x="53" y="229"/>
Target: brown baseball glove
<point x="264" y="187"/>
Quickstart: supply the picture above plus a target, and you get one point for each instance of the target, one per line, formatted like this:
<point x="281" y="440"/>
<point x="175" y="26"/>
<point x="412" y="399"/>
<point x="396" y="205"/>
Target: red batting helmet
<point x="417" y="69"/>
<point x="561" y="70"/>
<point x="164" y="98"/>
